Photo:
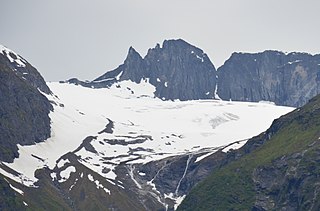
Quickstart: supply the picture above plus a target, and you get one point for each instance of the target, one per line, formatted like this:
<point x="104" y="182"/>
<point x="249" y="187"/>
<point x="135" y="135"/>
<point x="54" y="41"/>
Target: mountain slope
<point x="121" y="143"/>
<point x="23" y="109"/>
<point x="277" y="170"/>
<point x="177" y="70"/>
<point x="286" y="79"/>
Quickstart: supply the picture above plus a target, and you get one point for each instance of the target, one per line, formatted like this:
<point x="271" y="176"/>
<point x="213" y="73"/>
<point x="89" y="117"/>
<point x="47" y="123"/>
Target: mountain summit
<point x="178" y="70"/>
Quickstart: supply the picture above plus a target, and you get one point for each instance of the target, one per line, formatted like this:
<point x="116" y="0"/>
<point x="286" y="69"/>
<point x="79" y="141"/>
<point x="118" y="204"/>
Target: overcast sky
<point x="85" y="38"/>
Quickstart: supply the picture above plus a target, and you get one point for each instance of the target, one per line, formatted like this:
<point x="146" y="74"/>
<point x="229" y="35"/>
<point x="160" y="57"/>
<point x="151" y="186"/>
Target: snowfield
<point x="127" y="124"/>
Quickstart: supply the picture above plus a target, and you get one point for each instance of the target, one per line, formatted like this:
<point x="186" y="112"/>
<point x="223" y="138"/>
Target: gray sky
<point x="85" y="38"/>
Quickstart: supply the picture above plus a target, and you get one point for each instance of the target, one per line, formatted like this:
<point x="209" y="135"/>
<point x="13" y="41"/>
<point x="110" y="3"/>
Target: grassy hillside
<point x="282" y="172"/>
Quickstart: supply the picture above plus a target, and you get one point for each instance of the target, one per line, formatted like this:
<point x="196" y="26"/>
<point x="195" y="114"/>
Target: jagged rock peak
<point x="133" y="52"/>
<point x="178" y="70"/>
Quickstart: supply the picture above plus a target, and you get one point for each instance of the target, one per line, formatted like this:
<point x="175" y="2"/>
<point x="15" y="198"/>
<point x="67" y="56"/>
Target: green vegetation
<point x="232" y="187"/>
<point x="9" y="199"/>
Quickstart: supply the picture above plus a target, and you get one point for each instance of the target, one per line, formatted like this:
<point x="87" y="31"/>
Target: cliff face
<point x="23" y="109"/>
<point x="178" y="70"/>
<point x="286" y="79"/>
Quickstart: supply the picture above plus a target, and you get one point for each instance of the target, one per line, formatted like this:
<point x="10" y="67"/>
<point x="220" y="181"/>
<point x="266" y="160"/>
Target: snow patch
<point x="296" y="61"/>
<point x="204" y="156"/>
<point x="62" y="162"/>
<point x="119" y="75"/>
<point x="142" y="174"/>
<point x="98" y="184"/>
<point x="53" y="175"/>
<point x="65" y="174"/>
<point x="216" y="96"/>
<point x="201" y="58"/>
<point x="8" y="53"/>
<point x="234" y="146"/>
<point x="16" y="189"/>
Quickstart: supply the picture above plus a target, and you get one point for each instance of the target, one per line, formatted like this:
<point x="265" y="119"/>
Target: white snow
<point x="98" y="184"/>
<point x="62" y="162"/>
<point x="158" y="80"/>
<point x="216" y="96"/>
<point x="236" y="145"/>
<point x="18" y="60"/>
<point x="296" y="61"/>
<point x="90" y="177"/>
<point x="175" y="127"/>
<point x="201" y="58"/>
<point x="142" y="174"/>
<point x="65" y="174"/>
<point x="178" y="200"/>
<point x="119" y="75"/>
<point x="25" y="204"/>
<point x="53" y="176"/>
<point x="204" y="156"/>
<point x="21" y="178"/>
<point x="16" y="189"/>
<point x="166" y="84"/>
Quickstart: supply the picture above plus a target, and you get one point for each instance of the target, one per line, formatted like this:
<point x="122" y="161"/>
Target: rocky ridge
<point x="286" y="79"/>
<point x="178" y="70"/>
<point x="181" y="71"/>
<point x="23" y="109"/>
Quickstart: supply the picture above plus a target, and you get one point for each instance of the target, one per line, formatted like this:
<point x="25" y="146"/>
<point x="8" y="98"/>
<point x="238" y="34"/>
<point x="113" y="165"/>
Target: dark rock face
<point x="178" y="70"/>
<point x="290" y="79"/>
<point x="23" y="69"/>
<point x="23" y="109"/>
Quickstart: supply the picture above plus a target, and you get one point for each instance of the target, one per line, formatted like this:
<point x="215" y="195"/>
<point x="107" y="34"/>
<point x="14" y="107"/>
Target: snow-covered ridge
<point x="12" y="56"/>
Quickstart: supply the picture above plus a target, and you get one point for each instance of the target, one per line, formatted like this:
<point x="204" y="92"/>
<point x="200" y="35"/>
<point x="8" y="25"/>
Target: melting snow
<point x="98" y="184"/>
<point x="62" y="162"/>
<point x="65" y="174"/>
<point x="236" y="145"/>
<point x="16" y="189"/>
<point x="145" y="128"/>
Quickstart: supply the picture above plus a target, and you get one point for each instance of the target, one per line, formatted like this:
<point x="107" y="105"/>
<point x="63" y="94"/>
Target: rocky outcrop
<point x="23" y="109"/>
<point x="286" y="79"/>
<point x="178" y="70"/>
